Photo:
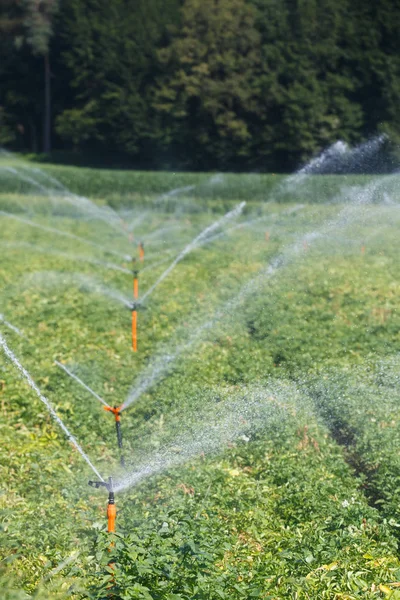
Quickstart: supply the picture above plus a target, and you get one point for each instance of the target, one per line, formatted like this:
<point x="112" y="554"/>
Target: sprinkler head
<point x="116" y="410"/>
<point x="108" y="485"/>
<point x="111" y="509"/>
<point x="135" y="306"/>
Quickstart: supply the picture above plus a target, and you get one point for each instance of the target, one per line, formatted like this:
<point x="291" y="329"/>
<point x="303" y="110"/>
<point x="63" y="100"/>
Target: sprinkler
<point x="135" y="274"/>
<point x="117" y="413"/>
<point x="135" y="285"/>
<point x="111" y="514"/>
<point x="134" y="307"/>
<point x="111" y="508"/>
<point x="141" y="251"/>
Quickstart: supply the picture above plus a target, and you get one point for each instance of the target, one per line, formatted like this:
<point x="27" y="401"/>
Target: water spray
<point x="198" y="241"/>
<point x="111" y="508"/>
<point x="116" y="410"/>
<point x="82" y="383"/>
<point x="61" y="232"/>
<point x="117" y="413"/>
<point x="11" y="326"/>
<point x="32" y="384"/>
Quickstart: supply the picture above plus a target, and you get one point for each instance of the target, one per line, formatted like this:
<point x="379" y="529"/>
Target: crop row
<point x="122" y="187"/>
<point x="362" y="410"/>
<point x="281" y="517"/>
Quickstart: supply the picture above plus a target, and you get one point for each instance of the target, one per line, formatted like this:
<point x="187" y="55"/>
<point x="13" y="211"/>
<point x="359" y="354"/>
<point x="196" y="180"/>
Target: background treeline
<point x="197" y="84"/>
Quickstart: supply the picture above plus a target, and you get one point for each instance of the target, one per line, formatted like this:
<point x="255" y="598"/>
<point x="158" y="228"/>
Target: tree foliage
<point x="38" y="19"/>
<point x="225" y="84"/>
<point x="210" y="91"/>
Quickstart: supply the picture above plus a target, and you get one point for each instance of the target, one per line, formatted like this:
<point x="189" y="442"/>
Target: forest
<point x="230" y="85"/>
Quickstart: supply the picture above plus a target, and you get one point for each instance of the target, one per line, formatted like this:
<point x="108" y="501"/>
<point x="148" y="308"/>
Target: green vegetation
<point x="286" y="378"/>
<point x="218" y="192"/>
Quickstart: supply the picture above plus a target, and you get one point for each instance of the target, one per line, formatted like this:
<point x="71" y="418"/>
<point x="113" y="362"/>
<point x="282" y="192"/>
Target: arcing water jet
<point x="196" y="242"/>
<point x="46" y="402"/>
<point x="67" y="255"/>
<point x="116" y="411"/>
<point x="239" y="414"/>
<point x="10" y="326"/>
<point x="62" y="192"/>
<point x="90" y="284"/>
<point x="63" y="233"/>
<point x="160" y="364"/>
<point x="99" y="398"/>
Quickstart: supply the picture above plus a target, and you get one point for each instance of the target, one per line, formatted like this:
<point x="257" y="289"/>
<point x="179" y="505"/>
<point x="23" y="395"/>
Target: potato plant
<point x="267" y="374"/>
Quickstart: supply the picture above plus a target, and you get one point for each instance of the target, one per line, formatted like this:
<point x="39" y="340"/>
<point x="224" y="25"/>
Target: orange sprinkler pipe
<point x="111" y="508"/>
<point x="141" y="251"/>
<point x="111" y="518"/>
<point x="134" y="312"/>
<point x="267" y="236"/>
<point x="111" y="515"/>
<point x="134" y="330"/>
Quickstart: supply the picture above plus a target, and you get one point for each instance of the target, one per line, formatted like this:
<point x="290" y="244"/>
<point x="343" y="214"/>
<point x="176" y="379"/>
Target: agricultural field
<point x="261" y="420"/>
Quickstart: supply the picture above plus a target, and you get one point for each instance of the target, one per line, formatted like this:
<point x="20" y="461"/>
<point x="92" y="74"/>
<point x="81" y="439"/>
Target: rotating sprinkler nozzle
<point x="111" y="508"/>
<point x="136" y="306"/>
<point x="117" y="413"/>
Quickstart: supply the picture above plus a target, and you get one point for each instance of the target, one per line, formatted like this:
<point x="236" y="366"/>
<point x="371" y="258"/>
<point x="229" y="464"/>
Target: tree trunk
<point x="47" y="106"/>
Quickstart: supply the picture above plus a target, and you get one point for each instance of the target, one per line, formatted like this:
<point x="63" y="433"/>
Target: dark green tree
<point x="110" y="51"/>
<point x="26" y="28"/>
<point x="225" y="84"/>
<point x="307" y="76"/>
<point x="10" y="29"/>
<point x="208" y="99"/>
<point x="375" y="61"/>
